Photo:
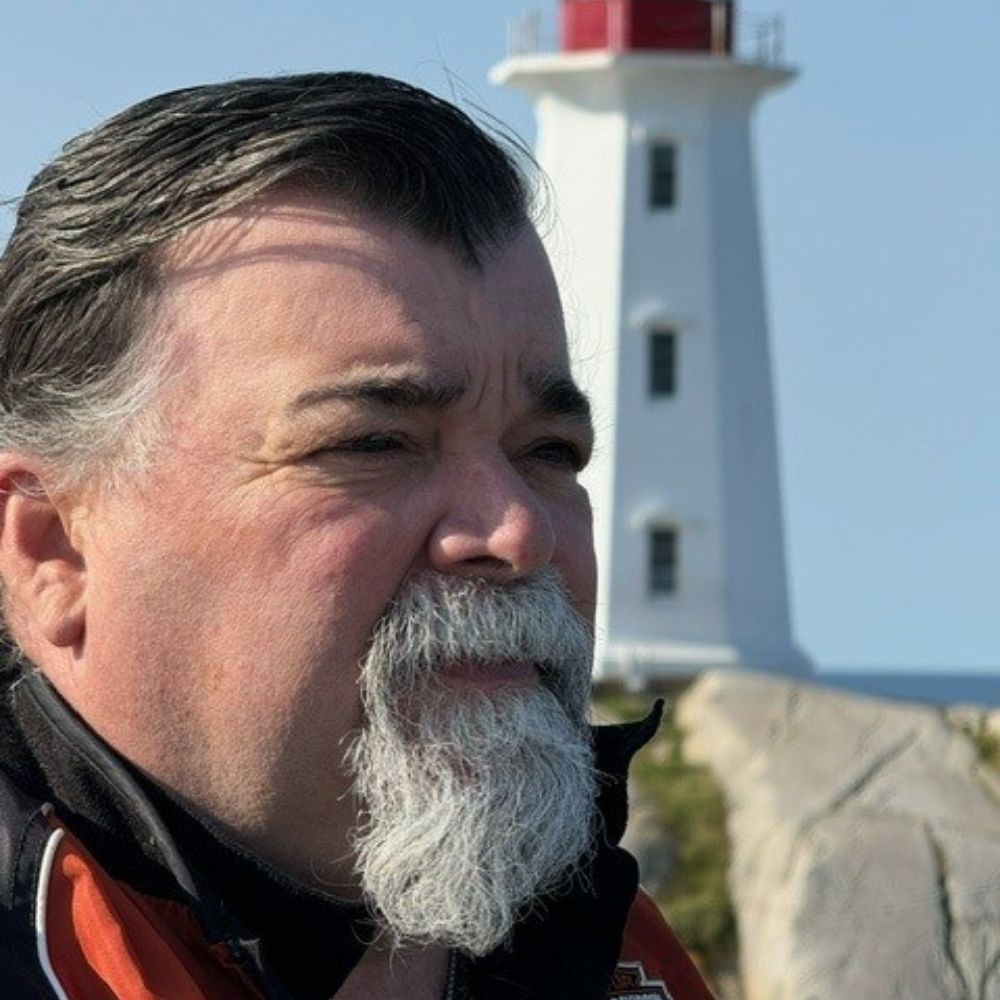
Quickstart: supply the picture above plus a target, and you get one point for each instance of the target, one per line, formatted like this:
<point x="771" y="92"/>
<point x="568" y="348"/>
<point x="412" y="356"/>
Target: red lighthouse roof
<point x="643" y="25"/>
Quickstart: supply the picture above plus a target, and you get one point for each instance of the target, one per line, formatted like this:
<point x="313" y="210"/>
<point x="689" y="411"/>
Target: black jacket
<point x="293" y="941"/>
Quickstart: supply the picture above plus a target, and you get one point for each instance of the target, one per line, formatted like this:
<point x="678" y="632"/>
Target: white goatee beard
<point x="474" y="802"/>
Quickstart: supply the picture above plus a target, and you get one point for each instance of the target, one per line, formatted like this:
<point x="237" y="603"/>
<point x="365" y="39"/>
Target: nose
<point x="494" y="525"/>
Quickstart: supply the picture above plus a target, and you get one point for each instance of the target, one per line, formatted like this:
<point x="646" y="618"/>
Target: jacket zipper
<point x="449" y="985"/>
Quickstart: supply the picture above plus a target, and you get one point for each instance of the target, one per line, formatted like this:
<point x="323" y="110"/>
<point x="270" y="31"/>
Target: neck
<point x="402" y="974"/>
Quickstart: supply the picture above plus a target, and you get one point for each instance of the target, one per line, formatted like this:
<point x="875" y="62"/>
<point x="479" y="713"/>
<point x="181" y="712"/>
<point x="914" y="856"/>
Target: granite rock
<point x="865" y="841"/>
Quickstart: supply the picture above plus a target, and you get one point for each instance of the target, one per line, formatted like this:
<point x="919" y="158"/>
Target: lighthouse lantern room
<point x="623" y="25"/>
<point x="644" y="119"/>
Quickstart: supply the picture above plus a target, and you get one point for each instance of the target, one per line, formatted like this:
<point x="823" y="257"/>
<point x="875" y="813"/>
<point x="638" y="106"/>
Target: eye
<point x="365" y="444"/>
<point x="371" y="444"/>
<point x="563" y="454"/>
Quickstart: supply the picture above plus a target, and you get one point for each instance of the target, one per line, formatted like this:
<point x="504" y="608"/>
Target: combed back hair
<point x="80" y="277"/>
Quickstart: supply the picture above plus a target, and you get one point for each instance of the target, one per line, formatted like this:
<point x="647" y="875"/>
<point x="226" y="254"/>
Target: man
<point x="299" y="572"/>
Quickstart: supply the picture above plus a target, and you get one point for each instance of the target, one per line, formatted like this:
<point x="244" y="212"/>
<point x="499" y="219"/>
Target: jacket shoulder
<point x="99" y="937"/>
<point x="653" y="964"/>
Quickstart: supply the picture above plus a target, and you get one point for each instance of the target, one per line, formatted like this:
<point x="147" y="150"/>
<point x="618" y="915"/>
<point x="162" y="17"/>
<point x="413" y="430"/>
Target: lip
<point x="508" y="673"/>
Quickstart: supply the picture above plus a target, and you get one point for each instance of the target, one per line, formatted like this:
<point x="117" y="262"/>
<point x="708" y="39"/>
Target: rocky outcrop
<point x="865" y="840"/>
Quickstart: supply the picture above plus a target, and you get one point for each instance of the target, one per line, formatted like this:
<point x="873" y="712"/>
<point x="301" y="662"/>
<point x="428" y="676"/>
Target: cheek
<point x="297" y="577"/>
<point x="574" y="556"/>
<point x="352" y="561"/>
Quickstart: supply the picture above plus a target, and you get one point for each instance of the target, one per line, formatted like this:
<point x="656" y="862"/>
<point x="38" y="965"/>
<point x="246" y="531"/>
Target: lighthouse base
<point x="637" y="665"/>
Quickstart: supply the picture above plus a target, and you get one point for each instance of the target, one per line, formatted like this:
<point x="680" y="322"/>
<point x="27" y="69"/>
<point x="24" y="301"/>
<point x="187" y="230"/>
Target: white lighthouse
<point x="644" y="130"/>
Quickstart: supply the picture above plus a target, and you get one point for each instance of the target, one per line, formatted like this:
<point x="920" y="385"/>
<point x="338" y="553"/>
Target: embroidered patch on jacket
<point x="630" y="982"/>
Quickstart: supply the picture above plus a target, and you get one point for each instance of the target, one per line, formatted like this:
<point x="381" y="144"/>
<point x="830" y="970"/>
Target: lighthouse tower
<point x="644" y="130"/>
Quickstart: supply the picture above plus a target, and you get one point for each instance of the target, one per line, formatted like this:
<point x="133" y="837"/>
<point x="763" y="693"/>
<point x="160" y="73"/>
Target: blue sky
<point x="880" y="206"/>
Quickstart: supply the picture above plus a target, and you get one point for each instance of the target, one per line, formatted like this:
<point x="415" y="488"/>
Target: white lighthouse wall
<point x="709" y="454"/>
<point x="755" y="582"/>
<point x="579" y="143"/>
<point x="668" y="445"/>
<point x="702" y="461"/>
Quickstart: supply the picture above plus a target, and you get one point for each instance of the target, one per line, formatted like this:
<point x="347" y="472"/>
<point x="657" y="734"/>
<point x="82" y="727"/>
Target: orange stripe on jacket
<point x="107" y="942"/>
<point x="650" y="941"/>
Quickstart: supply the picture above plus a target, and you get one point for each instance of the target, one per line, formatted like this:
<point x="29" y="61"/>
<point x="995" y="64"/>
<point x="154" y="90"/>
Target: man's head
<point x="81" y="274"/>
<point x="283" y="366"/>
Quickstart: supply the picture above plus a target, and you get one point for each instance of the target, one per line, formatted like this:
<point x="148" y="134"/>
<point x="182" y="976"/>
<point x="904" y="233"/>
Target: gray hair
<point x="79" y="279"/>
<point x="443" y="858"/>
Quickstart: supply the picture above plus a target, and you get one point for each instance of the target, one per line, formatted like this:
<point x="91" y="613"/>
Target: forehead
<point x="320" y="290"/>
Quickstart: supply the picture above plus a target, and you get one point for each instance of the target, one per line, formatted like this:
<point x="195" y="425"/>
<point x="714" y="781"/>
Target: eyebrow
<point x="396" y="393"/>
<point x="555" y="394"/>
<point x="558" y="395"/>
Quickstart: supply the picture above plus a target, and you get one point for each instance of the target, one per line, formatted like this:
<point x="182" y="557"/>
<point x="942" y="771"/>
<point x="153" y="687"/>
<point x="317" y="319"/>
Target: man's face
<point x="351" y="407"/>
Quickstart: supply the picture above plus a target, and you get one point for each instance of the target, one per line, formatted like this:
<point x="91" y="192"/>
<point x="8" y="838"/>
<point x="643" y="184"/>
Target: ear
<point x="43" y="573"/>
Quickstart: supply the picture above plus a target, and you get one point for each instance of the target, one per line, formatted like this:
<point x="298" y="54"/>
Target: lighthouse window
<point x="662" y="175"/>
<point x="662" y="362"/>
<point x="662" y="560"/>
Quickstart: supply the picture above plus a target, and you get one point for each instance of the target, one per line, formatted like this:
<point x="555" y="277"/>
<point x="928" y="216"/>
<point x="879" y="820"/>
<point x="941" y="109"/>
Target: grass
<point x="986" y="742"/>
<point x="691" y="807"/>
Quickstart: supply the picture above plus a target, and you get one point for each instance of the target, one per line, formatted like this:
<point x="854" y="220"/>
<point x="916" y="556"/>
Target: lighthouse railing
<point x="524" y="35"/>
<point x="753" y="38"/>
<point x="760" y="39"/>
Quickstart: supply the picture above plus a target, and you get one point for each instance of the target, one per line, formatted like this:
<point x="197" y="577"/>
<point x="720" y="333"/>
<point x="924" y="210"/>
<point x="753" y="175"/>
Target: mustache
<point x="437" y="620"/>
